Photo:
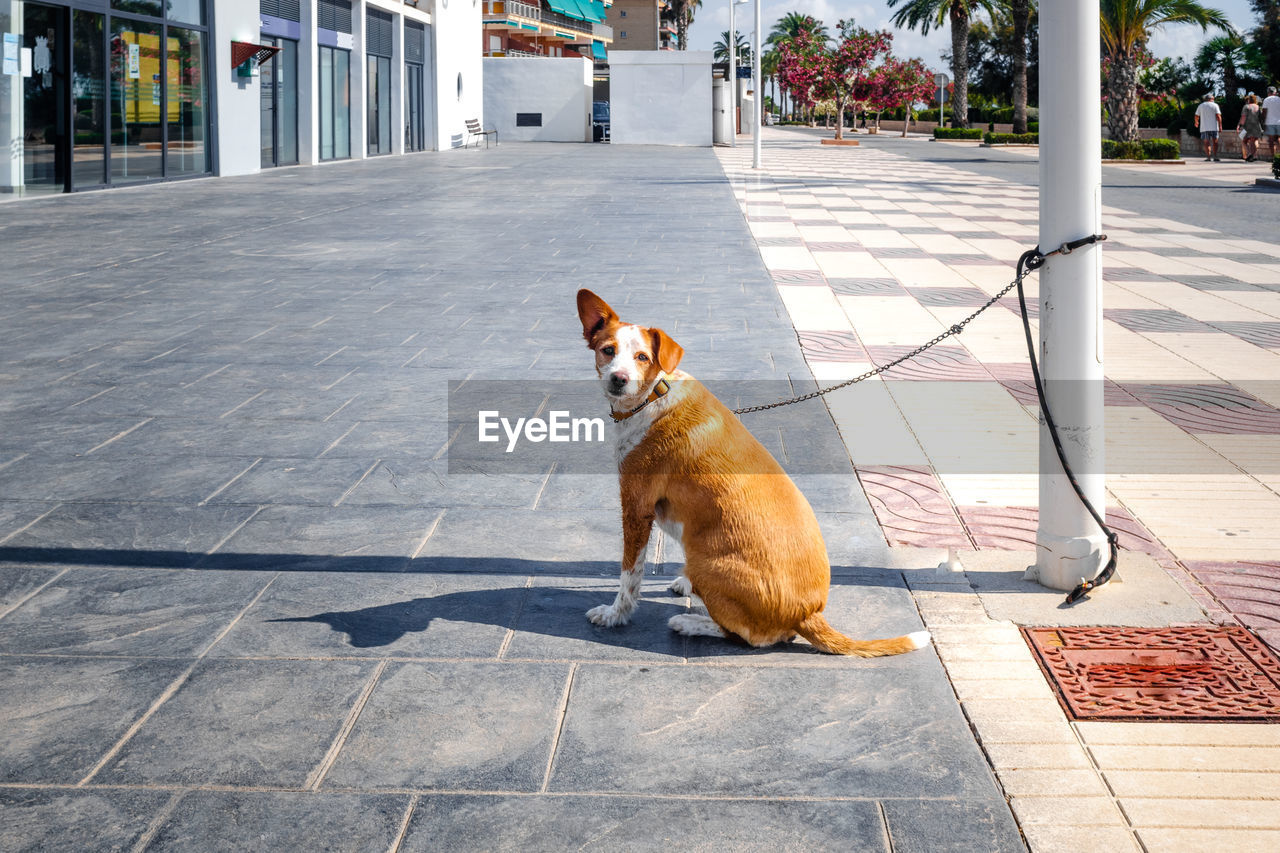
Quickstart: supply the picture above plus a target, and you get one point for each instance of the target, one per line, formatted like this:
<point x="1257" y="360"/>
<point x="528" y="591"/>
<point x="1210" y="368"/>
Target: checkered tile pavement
<point x="875" y="253"/>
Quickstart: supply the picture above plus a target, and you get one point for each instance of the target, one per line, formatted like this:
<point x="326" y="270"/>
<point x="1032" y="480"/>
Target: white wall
<point x="660" y="97"/>
<point x="457" y="48"/>
<point x="559" y="89"/>
<point x="239" y="107"/>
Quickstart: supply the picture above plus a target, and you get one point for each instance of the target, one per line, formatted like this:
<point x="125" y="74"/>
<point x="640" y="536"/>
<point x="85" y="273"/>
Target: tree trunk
<point x="1021" y="19"/>
<point x="1121" y="87"/>
<point x="960" y="64"/>
<point x="840" y="118"/>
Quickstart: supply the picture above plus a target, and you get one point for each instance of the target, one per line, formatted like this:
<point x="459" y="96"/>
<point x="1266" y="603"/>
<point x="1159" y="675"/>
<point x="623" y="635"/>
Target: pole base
<point x="1063" y="562"/>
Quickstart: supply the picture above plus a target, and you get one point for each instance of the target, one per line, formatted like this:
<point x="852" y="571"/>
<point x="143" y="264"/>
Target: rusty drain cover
<point x="1184" y="673"/>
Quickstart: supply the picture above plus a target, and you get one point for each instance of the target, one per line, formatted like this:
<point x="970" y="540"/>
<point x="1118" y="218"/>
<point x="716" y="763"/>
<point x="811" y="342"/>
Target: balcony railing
<point x="497" y="10"/>
<point x="503" y="8"/>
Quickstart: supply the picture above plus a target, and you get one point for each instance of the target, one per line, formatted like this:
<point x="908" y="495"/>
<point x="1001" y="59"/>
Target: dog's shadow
<point x="546" y="622"/>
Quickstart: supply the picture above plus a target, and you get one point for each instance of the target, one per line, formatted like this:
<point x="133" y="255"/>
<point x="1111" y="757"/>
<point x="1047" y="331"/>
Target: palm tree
<point x="1222" y="58"/>
<point x="788" y="28"/>
<point x="927" y="14"/>
<point x="1126" y="25"/>
<point x="769" y="71"/>
<point x="792" y="24"/>
<point x="684" y="10"/>
<point x="1019" y="12"/>
<point x="722" y="48"/>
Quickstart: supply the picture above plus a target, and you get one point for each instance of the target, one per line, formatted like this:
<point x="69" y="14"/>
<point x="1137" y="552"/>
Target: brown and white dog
<point x="754" y="552"/>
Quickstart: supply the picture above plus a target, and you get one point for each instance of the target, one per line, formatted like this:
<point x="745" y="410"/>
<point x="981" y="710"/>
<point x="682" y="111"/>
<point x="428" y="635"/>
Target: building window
<point x="623" y="33"/>
<point x="622" y="14"/>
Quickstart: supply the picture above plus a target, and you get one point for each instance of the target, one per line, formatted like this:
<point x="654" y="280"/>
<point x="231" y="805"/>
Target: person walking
<point x="1250" y="127"/>
<point x="1271" y="119"/>
<point x="1209" y="123"/>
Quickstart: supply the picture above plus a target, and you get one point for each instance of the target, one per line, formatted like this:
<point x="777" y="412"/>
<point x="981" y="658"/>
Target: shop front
<point x="97" y="94"/>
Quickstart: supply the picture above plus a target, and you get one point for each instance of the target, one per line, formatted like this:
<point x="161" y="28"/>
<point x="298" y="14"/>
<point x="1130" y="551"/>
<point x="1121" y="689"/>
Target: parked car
<point x="600" y="121"/>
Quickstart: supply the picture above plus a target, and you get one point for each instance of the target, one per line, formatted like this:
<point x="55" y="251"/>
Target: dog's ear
<point x="594" y="313"/>
<point x="666" y="351"/>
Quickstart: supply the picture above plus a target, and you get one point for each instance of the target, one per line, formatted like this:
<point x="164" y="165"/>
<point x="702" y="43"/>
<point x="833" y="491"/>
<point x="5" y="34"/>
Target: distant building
<point x="554" y="28"/>
<point x="643" y="25"/>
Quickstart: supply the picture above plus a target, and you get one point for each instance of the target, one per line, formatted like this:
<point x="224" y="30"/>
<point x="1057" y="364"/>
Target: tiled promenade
<point x="245" y="605"/>
<point x="875" y="252"/>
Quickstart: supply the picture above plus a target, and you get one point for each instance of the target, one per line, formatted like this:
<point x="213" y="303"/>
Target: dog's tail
<point x="816" y="630"/>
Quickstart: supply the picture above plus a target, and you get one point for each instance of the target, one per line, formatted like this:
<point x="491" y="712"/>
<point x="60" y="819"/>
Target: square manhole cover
<point x="1186" y="673"/>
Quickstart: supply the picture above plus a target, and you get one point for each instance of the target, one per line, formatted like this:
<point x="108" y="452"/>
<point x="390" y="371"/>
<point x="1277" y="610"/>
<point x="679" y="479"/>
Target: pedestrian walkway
<point x="874" y="253"/>
<point x="246" y="604"/>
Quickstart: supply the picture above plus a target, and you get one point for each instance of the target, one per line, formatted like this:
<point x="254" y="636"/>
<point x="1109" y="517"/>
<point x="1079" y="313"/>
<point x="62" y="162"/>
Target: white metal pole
<point x="1069" y="545"/>
<point x="733" y="77"/>
<point x="756" y="100"/>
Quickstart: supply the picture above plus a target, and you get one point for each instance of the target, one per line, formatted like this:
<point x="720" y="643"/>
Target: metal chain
<point x="1034" y="262"/>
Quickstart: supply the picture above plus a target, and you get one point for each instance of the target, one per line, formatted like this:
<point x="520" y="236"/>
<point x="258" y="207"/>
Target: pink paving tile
<point x="953" y="364"/>
<point x="1014" y="529"/>
<point x="1250" y="590"/>
<point x="832" y="346"/>
<point x="1216" y="408"/>
<point x="911" y="507"/>
<point x="850" y="246"/>
<point x="797" y="277"/>
<point x="1004" y="528"/>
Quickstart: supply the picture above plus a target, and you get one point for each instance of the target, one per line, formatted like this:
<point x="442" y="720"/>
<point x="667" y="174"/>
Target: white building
<point x="106" y="93"/>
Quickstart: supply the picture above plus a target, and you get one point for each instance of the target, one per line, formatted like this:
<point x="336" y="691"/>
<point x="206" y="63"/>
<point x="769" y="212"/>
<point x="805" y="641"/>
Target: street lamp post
<point x="757" y="100"/>
<point x="1069" y="545"/>
<point x="733" y="70"/>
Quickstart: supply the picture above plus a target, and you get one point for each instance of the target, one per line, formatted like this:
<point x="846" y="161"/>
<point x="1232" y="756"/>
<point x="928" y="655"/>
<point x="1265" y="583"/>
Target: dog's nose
<point x="617" y="380"/>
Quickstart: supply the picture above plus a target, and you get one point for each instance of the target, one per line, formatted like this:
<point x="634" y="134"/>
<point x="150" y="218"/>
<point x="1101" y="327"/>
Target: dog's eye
<point x="641" y="357"/>
<point x="609" y="351"/>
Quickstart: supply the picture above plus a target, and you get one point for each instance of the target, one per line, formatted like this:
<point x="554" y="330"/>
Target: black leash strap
<point x="1030" y="261"/>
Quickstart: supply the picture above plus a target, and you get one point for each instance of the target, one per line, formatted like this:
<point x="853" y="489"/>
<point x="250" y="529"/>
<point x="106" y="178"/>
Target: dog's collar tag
<point x="659" y="390"/>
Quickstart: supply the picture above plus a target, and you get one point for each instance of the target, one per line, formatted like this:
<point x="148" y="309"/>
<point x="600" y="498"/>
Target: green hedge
<point x="1146" y="149"/>
<point x="1161" y="149"/>
<point x="1011" y="138"/>
<point x="957" y="133"/>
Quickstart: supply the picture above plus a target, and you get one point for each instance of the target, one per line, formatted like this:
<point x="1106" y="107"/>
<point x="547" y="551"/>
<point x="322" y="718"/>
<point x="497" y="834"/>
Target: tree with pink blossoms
<point x="900" y="83"/>
<point x="848" y="76"/>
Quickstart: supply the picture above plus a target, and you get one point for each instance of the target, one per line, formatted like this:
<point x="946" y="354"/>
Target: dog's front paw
<point x="681" y="586"/>
<point x="608" y="616"/>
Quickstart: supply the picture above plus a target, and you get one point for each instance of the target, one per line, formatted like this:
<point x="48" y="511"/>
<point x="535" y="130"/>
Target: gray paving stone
<point x="778" y="731"/>
<point x="177" y="479"/>
<point x="553" y="624"/>
<point x="232" y="822"/>
<point x="533" y="824"/>
<point x="526" y="542"/>
<point x="961" y="826"/>
<point x="420" y="730"/>
<point x="415" y="482"/>
<point x="346" y="539"/>
<point x="160" y="613"/>
<point x="60" y="716"/>
<point x="125" y="534"/>
<point x="296" y="482"/>
<point x="243" y="723"/>
<point x="34" y="821"/>
<point x="19" y="581"/>
<point x="321" y="615"/>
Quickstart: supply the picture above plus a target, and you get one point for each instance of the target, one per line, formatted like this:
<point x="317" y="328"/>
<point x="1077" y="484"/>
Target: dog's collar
<point x="659" y="390"/>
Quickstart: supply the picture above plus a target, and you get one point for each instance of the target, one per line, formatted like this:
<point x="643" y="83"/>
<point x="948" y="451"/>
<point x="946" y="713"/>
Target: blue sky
<point x="713" y="19"/>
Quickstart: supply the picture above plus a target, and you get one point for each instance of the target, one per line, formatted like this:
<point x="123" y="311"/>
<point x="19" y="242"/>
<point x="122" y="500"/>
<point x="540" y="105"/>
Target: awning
<point x="563" y="7"/>
<point x="597" y="50"/>
<point x="601" y="14"/>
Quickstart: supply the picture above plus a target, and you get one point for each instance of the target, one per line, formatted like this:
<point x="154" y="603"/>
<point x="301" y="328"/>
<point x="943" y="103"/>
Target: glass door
<point x="279" y="122"/>
<point x="45" y="109"/>
<point x="414" y="129"/>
